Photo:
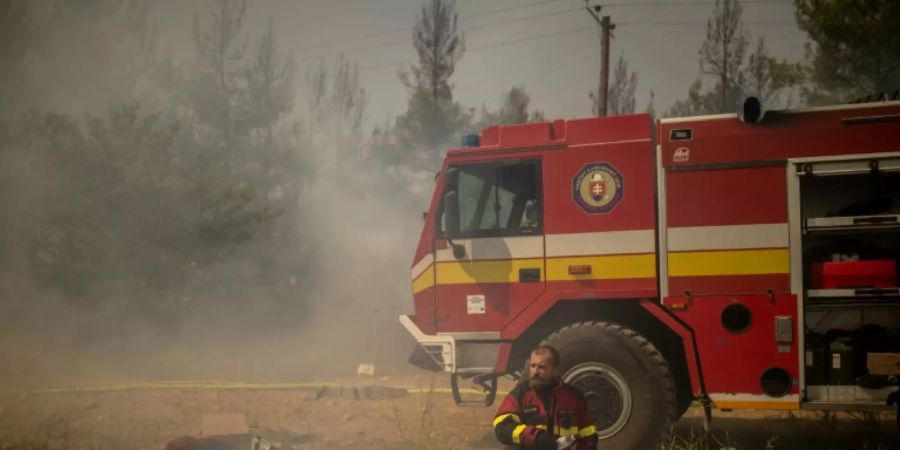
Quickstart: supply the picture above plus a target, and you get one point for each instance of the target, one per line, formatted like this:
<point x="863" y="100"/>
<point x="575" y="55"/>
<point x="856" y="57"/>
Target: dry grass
<point x="146" y="419"/>
<point x="818" y="430"/>
<point x="704" y="440"/>
<point x="78" y="426"/>
<point x="424" y="438"/>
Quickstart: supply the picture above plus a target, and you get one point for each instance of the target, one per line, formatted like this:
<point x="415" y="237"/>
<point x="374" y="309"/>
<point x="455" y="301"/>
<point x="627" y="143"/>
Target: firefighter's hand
<point x="565" y="442"/>
<point x="545" y="441"/>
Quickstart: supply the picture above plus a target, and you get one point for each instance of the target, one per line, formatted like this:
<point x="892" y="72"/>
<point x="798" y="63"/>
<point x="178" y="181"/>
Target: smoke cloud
<point x="306" y="289"/>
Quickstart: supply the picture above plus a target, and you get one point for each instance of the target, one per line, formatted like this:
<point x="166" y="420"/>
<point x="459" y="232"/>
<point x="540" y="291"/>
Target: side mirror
<point x="451" y="212"/>
<point x="451" y="179"/>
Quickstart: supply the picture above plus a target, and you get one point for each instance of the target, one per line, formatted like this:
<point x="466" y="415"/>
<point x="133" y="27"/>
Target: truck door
<point x="489" y="244"/>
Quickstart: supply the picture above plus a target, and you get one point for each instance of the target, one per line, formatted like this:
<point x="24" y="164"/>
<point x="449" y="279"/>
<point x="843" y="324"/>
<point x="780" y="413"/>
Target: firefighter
<point x="545" y="413"/>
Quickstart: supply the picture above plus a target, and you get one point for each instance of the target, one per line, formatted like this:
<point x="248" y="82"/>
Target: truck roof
<point x="812" y="132"/>
<point x="713" y="139"/>
<point x="561" y="133"/>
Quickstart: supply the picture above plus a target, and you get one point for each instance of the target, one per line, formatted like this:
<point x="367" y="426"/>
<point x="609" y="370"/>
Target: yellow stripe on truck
<point x="730" y="262"/>
<point x="475" y="272"/>
<point x="608" y="267"/>
<point x="424" y="281"/>
<point x="507" y="271"/>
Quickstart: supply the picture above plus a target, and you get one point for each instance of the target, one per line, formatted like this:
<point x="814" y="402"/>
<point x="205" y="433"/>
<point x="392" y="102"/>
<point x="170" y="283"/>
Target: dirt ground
<point x="420" y="415"/>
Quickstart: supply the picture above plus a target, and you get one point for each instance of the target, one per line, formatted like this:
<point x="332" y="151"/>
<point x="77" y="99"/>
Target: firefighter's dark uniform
<point x="526" y="415"/>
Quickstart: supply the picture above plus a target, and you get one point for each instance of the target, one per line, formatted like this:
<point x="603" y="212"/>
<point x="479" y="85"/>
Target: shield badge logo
<point x="597" y="186"/>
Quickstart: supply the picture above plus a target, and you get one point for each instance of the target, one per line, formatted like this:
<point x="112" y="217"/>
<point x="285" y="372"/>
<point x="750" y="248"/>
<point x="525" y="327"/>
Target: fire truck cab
<point x="745" y="261"/>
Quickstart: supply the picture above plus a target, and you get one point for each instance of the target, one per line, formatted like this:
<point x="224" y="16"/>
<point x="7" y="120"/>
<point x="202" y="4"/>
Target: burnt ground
<point x="340" y="417"/>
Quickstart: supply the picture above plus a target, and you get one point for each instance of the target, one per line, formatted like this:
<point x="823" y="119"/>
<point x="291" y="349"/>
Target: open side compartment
<point x="850" y="234"/>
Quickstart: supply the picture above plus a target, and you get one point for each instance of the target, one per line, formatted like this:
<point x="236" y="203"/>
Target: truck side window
<point x="477" y="185"/>
<point x="497" y="199"/>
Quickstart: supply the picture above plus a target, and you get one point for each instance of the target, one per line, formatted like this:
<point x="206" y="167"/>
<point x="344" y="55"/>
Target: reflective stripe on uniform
<point x="503" y="417"/>
<point x="587" y="431"/>
<point x="568" y="431"/>
<point x="517" y="432"/>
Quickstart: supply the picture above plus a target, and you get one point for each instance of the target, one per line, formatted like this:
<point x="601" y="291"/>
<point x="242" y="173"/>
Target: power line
<point x="693" y="24"/>
<point x="532" y="38"/>
<point x="470" y="29"/>
<point x="688" y="3"/>
<point x="397" y="30"/>
<point x="511" y="8"/>
<point x="562" y="32"/>
<point x="537" y="16"/>
<point x="490" y="46"/>
<point x="522" y="19"/>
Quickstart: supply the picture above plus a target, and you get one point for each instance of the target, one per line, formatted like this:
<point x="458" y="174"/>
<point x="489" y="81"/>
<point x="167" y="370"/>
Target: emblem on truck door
<point x="597" y="188"/>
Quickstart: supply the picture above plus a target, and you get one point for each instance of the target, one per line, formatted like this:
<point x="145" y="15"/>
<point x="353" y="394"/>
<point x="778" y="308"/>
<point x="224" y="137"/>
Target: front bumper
<point x="439" y="350"/>
<point x="463" y="353"/>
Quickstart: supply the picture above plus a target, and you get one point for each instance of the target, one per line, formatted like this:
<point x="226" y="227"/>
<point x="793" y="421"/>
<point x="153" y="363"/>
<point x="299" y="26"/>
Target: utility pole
<point x="606" y="27"/>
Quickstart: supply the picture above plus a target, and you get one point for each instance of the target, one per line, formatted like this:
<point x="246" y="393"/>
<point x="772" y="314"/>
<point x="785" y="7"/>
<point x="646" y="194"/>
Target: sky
<point x="551" y="47"/>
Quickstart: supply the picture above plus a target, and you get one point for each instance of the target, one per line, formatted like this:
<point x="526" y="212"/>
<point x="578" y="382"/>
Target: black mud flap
<point x="486" y="383"/>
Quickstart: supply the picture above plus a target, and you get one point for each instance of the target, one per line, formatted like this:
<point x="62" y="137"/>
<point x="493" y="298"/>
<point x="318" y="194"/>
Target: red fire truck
<point x="744" y="261"/>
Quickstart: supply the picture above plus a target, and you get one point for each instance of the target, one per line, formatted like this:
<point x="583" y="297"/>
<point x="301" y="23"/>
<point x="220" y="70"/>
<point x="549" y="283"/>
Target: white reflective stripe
<point x="841" y="107"/>
<point x="727" y="237"/>
<point x="600" y="243"/>
<point x="472" y="335"/>
<point x="662" y="214"/>
<point x="698" y="118"/>
<point x="853" y="157"/>
<point x="422" y="265"/>
<point x="623" y="141"/>
<point x="789" y="398"/>
<point x="496" y="248"/>
<point x="852" y="167"/>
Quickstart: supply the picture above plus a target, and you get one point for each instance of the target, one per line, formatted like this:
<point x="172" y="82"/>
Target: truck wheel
<point x="624" y="378"/>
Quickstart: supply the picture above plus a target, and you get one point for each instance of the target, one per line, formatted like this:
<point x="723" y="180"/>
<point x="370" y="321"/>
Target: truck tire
<point x="625" y="379"/>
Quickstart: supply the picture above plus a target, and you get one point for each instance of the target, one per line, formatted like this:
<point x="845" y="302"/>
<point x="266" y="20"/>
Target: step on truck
<point x="742" y="261"/>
